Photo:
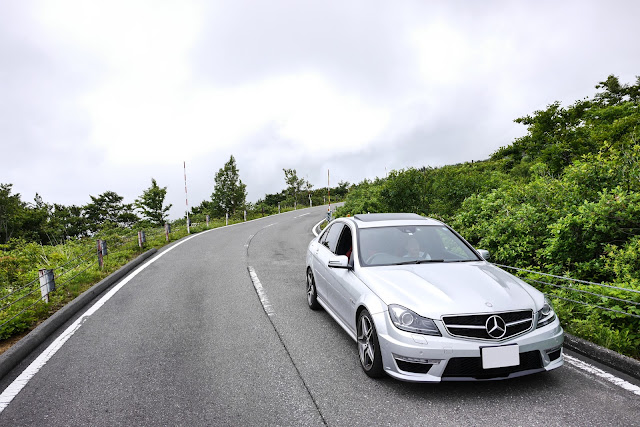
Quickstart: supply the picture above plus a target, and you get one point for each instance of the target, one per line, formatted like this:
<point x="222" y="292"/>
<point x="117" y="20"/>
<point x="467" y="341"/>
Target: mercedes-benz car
<point x="423" y="305"/>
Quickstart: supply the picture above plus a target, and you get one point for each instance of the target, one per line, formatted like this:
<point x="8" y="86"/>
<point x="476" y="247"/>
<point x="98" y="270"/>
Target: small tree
<point x="294" y="184"/>
<point x="108" y="208"/>
<point x="229" y="193"/>
<point x="150" y="204"/>
<point x="307" y="187"/>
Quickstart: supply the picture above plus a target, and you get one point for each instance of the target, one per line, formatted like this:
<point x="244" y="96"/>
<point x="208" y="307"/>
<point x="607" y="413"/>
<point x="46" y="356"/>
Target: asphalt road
<point x="188" y="342"/>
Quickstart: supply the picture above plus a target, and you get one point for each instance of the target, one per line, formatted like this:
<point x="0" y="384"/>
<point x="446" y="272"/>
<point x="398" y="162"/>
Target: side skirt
<point x="339" y="321"/>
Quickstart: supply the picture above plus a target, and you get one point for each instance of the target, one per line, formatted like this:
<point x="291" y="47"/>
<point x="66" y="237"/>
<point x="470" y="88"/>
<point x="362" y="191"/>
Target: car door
<point x="324" y="275"/>
<point x="346" y="286"/>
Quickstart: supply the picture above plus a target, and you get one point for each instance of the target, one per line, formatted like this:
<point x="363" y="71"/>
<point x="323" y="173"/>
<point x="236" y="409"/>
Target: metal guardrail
<point x="591" y="292"/>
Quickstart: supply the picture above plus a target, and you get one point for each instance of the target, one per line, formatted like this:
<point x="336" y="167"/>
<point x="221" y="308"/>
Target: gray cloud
<point x="439" y="82"/>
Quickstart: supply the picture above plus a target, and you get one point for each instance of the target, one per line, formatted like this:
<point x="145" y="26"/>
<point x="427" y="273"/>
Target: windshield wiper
<point x="419" y="261"/>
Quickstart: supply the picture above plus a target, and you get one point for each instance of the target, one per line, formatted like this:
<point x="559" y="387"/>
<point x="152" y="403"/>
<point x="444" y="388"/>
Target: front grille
<point x="471" y="367"/>
<point x="474" y="325"/>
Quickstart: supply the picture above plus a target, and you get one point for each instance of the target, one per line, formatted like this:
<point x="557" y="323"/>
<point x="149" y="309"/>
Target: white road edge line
<point x="602" y="374"/>
<point x="262" y="294"/>
<point x="18" y="384"/>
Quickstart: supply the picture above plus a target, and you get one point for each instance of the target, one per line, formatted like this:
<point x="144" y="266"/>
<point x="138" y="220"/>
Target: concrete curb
<point x="603" y="355"/>
<point x="20" y="350"/>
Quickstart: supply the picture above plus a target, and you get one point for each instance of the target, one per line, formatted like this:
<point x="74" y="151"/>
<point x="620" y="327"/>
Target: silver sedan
<point x="423" y="305"/>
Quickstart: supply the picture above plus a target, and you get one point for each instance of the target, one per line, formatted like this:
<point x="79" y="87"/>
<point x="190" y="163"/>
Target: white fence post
<point x="47" y="283"/>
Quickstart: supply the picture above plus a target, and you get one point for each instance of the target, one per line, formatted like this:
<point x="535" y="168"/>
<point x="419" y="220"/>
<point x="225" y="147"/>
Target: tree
<point x="107" y="209"/>
<point x="150" y="204"/>
<point x="229" y="193"/>
<point x="294" y="184"/>
<point x="10" y="208"/>
<point x="307" y="187"/>
<point x="68" y="222"/>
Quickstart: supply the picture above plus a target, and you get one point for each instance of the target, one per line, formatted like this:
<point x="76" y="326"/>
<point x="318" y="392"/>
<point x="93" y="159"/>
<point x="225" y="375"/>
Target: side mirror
<point x="484" y="253"/>
<point x="339" y="261"/>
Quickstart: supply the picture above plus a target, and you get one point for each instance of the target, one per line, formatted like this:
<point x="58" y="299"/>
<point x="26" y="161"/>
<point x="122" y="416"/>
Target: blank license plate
<point x="499" y="357"/>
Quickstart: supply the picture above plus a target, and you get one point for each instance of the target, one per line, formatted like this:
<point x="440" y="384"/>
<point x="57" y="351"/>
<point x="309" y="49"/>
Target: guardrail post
<point x="167" y="230"/>
<point x="47" y="283"/>
<point x="100" y="259"/>
<point x="142" y="238"/>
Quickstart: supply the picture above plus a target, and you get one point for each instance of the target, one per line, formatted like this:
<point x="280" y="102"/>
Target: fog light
<point x="417" y="360"/>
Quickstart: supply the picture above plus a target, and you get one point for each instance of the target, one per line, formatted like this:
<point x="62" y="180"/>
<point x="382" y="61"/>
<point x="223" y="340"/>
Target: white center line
<point x="262" y="294"/>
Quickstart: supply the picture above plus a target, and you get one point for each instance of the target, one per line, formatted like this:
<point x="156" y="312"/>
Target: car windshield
<point x="412" y="245"/>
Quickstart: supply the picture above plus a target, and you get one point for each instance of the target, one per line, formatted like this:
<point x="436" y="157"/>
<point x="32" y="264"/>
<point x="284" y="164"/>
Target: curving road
<point x="188" y="341"/>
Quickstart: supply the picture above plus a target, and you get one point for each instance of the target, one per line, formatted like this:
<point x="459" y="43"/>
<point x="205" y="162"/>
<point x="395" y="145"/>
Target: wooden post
<point x="100" y="259"/>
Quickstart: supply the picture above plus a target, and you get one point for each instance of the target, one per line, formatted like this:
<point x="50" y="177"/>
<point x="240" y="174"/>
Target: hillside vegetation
<point x="564" y="199"/>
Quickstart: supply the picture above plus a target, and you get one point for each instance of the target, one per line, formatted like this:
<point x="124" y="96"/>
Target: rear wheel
<point x="368" y="346"/>
<point x="312" y="293"/>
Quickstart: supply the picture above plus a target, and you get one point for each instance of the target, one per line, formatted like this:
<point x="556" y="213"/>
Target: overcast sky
<point x="105" y="95"/>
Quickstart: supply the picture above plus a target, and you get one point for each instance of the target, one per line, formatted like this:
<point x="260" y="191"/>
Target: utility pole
<point x="329" y="196"/>
<point x="186" y="199"/>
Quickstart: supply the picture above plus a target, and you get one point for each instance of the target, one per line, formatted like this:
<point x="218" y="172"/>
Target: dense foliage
<point x="564" y="199"/>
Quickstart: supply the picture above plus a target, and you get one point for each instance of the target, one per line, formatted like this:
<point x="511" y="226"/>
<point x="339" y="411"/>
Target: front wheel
<point x="312" y="293"/>
<point x="368" y="346"/>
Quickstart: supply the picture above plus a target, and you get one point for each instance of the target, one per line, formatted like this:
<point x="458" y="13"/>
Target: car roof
<point x="391" y="219"/>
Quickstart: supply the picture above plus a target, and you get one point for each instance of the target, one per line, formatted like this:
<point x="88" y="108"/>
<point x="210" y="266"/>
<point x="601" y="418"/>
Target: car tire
<point x="312" y="292"/>
<point x="368" y="346"/>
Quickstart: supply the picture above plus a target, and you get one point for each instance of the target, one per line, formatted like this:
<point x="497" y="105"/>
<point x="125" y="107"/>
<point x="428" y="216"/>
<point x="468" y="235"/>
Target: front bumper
<point x="423" y="358"/>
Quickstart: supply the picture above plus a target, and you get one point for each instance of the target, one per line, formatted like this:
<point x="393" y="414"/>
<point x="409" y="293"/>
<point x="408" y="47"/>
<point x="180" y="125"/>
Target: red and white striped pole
<point x="329" y="196"/>
<point x="186" y="200"/>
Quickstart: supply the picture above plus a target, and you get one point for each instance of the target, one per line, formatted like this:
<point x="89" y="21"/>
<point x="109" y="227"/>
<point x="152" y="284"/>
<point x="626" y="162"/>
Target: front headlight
<point x="409" y="321"/>
<point x="546" y="315"/>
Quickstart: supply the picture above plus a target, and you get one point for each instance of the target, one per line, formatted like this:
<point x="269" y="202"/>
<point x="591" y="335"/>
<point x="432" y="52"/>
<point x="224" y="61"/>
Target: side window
<point x="331" y="240"/>
<point x="345" y="243"/>
<point x="323" y="238"/>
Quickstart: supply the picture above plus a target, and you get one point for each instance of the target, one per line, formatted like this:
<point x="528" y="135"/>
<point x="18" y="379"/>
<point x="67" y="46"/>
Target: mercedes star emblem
<point x="496" y="327"/>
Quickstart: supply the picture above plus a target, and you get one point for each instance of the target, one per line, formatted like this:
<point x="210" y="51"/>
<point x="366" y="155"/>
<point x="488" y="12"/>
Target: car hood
<point x="436" y="289"/>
